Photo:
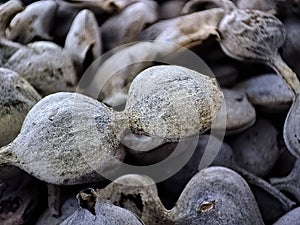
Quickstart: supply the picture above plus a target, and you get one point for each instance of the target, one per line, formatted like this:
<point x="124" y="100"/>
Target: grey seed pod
<point x="46" y="66"/>
<point x="290" y="183"/>
<point x="217" y="195"/>
<point x="240" y="114"/>
<point x="83" y="37"/>
<point x="17" y="97"/>
<point x="170" y="9"/>
<point x="124" y="28"/>
<point x="263" y="5"/>
<point x="35" y="21"/>
<point x="175" y="184"/>
<point x="138" y="194"/>
<point x="103" y="212"/>
<point x="256" y="149"/>
<point x="67" y="138"/>
<point x="7" y="49"/>
<point x="172" y="102"/>
<point x="268" y="92"/>
<point x="291" y="217"/>
<point x="7" y="11"/>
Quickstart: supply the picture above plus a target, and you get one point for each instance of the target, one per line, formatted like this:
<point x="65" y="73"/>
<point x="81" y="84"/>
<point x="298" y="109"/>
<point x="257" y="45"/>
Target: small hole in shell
<point x="206" y="206"/>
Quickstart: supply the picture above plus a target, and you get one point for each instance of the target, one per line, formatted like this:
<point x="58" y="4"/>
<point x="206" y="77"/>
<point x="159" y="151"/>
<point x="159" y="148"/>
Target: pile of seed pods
<point x="149" y="112"/>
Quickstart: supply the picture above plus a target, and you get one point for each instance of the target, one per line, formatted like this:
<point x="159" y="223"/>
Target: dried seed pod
<point x="17" y="97"/>
<point x="67" y="138"/>
<point x="239" y="39"/>
<point x="83" y="37"/>
<point x="124" y="28"/>
<point x="102" y="213"/>
<point x="290" y="183"/>
<point x="46" y="67"/>
<point x="7" y="11"/>
<point x="216" y="195"/>
<point x="35" y="21"/>
<point x="268" y="92"/>
<point x="7" y="49"/>
<point x="263" y="5"/>
<point x="170" y="9"/>
<point x="138" y="194"/>
<point x="98" y="6"/>
<point x="172" y="102"/>
<point x="240" y="114"/>
<point x="291" y="217"/>
<point x="256" y="149"/>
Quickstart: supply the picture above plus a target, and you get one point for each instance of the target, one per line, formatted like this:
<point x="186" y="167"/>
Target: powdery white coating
<point x="228" y="198"/>
<point x="66" y="139"/>
<point x="7" y="12"/>
<point x="17" y="97"/>
<point x="35" y="21"/>
<point x="172" y="102"/>
<point x="46" y="67"/>
<point x="138" y="194"/>
<point x="106" y="213"/>
<point x="269" y="92"/>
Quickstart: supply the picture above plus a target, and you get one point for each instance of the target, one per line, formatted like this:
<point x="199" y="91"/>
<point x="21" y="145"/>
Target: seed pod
<point x="291" y="217"/>
<point x="267" y="92"/>
<point x="46" y="67"/>
<point x="17" y="97"/>
<point x="67" y="138"/>
<point x="138" y="194"/>
<point x="7" y="11"/>
<point x="170" y="102"/>
<point x="217" y="195"/>
<point x="35" y="21"/>
<point x="102" y="212"/>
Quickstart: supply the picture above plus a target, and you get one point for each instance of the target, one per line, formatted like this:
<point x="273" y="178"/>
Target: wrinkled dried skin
<point x="7" y="11"/>
<point x="187" y="30"/>
<point x="19" y="198"/>
<point x="35" y="21"/>
<point x="124" y="27"/>
<point x="290" y="183"/>
<point x="46" y="67"/>
<point x="17" y="97"/>
<point x="240" y="114"/>
<point x="67" y="138"/>
<point x="172" y="102"/>
<point x="106" y="213"/>
<point x="83" y="37"/>
<point x="217" y="195"/>
<point x="268" y="92"/>
<point x="256" y="150"/>
<point x="98" y="6"/>
<point x="139" y="195"/>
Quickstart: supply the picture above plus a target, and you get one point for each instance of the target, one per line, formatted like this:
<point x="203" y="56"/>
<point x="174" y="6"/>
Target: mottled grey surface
<point x="269" y="92"/>
<point x="240" y="114"/>
<point x="291" y="218"/>
<point x="7" y="11"/>
<point x="46" y="67"/>
<point x="65" y="138"/>
<point x="17" y="97"/>
<point x="227" y="194"/>
<point x="172" y="102"/>
<point x="256" y="149"/>
<point x="106" y="214"/>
